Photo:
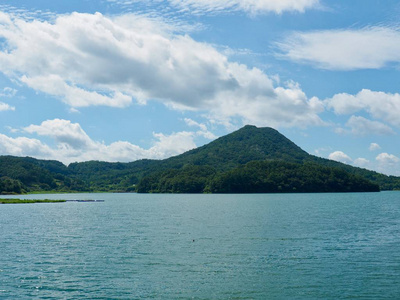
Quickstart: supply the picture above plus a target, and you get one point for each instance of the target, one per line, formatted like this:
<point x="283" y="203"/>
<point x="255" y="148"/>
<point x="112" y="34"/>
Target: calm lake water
<point x="311" y="246"/>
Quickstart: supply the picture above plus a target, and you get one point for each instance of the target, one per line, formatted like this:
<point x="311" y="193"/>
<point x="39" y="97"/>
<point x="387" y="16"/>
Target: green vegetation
<point x="19" y="201"/>
<point x="189" y="179"/>
<point x="238" y="148"/>
<point x="105" y="177"/>
<point x="258" y="160"/>
<point x="24" y="174"/>
<point x="256" y="177"/>
<point x="10" y="186"/>
<point x="249" y="160"/>
<point x="282" y="177"/>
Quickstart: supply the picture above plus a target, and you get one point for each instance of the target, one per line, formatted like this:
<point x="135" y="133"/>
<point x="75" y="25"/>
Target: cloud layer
<point x="249" y="6"/>
<point x="361" y="126"/>
<point x="252" y="7"/>
<point x="90" y="59"/>
<point x="344" y="49"/>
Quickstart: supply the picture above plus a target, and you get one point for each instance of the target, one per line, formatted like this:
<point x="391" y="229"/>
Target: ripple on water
<point x="203" y="246"/>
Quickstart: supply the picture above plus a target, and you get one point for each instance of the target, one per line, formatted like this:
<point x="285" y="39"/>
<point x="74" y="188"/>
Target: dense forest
<point x="256" y="177"/>
<point x="250" y="160"/>
<point x="20" y="175"/>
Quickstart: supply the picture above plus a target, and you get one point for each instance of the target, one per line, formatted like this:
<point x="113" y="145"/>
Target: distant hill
<point x="248" y="160"/>
<point x="25" y="174"/>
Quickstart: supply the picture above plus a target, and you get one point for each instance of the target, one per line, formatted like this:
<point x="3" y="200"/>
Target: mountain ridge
<point x="196" y="170"/>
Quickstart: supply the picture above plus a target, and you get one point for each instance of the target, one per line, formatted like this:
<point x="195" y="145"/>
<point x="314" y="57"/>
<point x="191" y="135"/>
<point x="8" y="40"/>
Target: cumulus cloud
<point x="5" y="106"/>
<point x="374" y="147"/>
<point x="248" y="6"/>
<point x="64" y="132"/>
<point x="362" y="163"/>
<point x="388" y="164"/>
<point x="174" y="144"/>
<point x="387" y="158"/>
<point x="73" y="144"/>
<point x="384" y="163"/>
<point x="362" y="126"/>
<point x="90" y="59"/>
<point x="23" y="146"/>
<point x="340" y="157"/>
<point x="344" y="49"/>
<point x="279" y="107"/>
<point x="380" y="105"/>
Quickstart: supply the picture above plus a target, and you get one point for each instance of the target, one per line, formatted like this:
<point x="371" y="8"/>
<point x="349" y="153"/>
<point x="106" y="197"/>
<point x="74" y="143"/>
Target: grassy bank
<point x="19" y="201"/>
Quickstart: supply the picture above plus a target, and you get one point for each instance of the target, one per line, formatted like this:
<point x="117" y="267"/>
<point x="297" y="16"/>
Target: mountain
<point x="240" y="147"/>
<point x="248" y="160"/>
<point x="256" y="160"/>
<point x="247" y="144"/>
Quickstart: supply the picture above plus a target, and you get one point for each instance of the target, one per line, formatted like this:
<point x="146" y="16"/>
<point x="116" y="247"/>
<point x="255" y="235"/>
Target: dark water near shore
<point x="311" y="246"/>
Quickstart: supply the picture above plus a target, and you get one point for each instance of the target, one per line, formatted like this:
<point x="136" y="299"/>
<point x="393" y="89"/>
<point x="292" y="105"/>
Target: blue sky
<point x="121" y="80"/>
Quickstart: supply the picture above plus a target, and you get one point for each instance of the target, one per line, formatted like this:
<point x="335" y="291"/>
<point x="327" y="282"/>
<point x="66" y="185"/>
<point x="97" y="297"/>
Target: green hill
<point x="248" y="160"/>
<point x="231" y="158"/>
<point x="25" y="174"/>
<point x="240" y="147"/>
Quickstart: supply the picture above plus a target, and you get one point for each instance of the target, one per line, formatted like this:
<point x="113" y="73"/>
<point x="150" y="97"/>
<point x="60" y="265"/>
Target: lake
<point x="265" y="246"/>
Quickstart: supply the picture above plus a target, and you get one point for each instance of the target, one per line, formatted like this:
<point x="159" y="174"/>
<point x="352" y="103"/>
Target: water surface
<point x="265" y="246"/>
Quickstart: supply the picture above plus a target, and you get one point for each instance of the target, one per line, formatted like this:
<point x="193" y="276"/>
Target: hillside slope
<point x="240" y="147"/>
<point x="25" y="174"/>
<point x="230" y="155"/>
<point x="205" y="169"/>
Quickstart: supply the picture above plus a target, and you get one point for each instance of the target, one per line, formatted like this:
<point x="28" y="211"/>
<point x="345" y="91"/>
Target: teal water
<point x="298" y="246"/>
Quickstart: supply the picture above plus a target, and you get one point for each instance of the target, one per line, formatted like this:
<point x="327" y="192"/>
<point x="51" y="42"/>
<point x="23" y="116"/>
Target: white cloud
<point x="388" y="164"/>
<point x="379" y="105"/>
<point x="174" y="144"/>
<point x="73" y="95"/>
<point x="252" y="7"/>
<point x="249" y="6"/>
<point x="347" y="49"/>
<point x="340" y="157"/>
<point x="73" y="110"/>
<point x="87" y="60"/>
<point x="256" y="103"/>
<point x="362" y="163"/>
<point x="362" y="126"/>
<point x="64" y="132"/>
<point x="8" y="92"/>
<point x="203" y="129"/>
<point x="387" y="158"/>
<point x="5" y="106"/>
<point x="191" y="122"/>
<point x="23" y="146"/>
<point x="12" y="130"/>
<point x="73" y="144"/>
<point x="384" y="163"/>
<point x="374" y="147"/>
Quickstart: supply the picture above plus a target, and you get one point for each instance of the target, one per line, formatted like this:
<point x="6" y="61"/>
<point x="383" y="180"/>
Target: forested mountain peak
<point x="244" y="145"/>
